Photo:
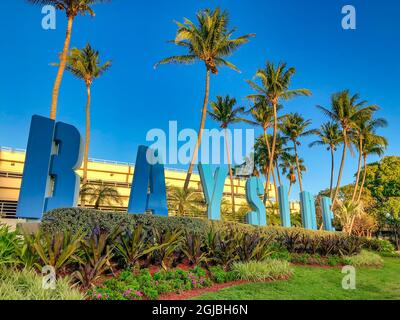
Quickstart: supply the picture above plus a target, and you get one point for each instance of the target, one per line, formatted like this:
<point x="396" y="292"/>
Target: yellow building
<point x="115" y="174"/>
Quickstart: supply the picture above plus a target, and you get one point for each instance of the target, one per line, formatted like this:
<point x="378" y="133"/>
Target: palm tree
<point x="99" y="195"/>
<point x="210" y="41"/>
<point x="72" y="8"/>
<point x="346" y="110"/>
<point x="364" y="130"/>
<point x="224" y="112"/>
<point x="262" y="114"/>
<point x="261" y="161"/>
<point x="85" y="65"/>
<point x="329" y="134"/>
<point x="293" y="126"/>
<point x="275" y="83"/>
<point x="288" y="165"/>
<point x="184" y="202"/>
<point x="375" y="145"/>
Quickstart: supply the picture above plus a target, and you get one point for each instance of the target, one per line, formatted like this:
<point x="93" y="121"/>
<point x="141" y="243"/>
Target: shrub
<point x="27" y="285"/>
<point x="56" y="250"/>
<point x="382" y="246"/>
<point x="131" y="246"/>
<point x="219" y="275"/>
<point x="192" y="248"/>
<point x="366" y="259"/>
<point x="8" y="246"/>
<point x="262" y="270"/>
<point x="295" y="240"/>
<point x="96" y="255"/>
<point x="136" y="286"/>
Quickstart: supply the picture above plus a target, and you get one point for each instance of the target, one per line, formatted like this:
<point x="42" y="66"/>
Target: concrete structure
<point x="116" y="174"/>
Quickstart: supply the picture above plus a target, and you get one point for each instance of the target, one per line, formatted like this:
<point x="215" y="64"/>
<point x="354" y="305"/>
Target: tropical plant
<point x="72" y="8"/>
<point x="373" y="145"/>
<point x="97" y="252"/>
<point x="366" y="259"/>
<point x="132" y="245"/>
<point x="28" y="285"/>
<point x="288" y="164"/>
<point x="224" y="249"/>
<point x="329" y="135"/>
<point x="365" y="131"/>
<point x="57" y="250"/>
<point x="275" y="83"/>
<point x="210" y="41"/>
<point x="185" y="202"/>
<point x="223" y="111"/>
<point x="346" y="110"/>
<point x="253" y="246"/>
<point x="347" y="213"/>
<point x="262" y="114"/>
<point x="255" y="271"/>
<point x="167" y="243"/>
<point x="99" y="195"/>
<point x="192" y="248"/>
<point x="293" y="126"/>
<point x="9" y="243"/>
<point x="85" y="65"/>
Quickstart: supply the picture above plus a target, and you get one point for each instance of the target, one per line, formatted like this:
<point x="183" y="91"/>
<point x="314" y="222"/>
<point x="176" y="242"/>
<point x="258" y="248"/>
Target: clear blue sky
<point x="133" y="97"/>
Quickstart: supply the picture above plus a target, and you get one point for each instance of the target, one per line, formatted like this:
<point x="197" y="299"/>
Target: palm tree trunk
<point x="290" y="189"/>
<point x="341" y="168"/>
<point x="272" y="153"/>
<point x="332" y="171"/>
<point x="277" y="171"/>
<point x="87" y="137"/>
<point x="200" y="134"/>
<point x="275" y="184"/>
<point x="363" y="179"/>
<point x="230" y="171"/>
<point x="358" y="171"/>
<point x="298" y="167"/>
<point x="61" y="68"/>
<point x="268" y="170"/>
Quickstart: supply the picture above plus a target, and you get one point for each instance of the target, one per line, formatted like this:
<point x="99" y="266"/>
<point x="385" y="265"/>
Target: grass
<point x="311" y="283"/>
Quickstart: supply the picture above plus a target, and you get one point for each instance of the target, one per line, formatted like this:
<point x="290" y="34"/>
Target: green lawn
<point x="309" y="283"/>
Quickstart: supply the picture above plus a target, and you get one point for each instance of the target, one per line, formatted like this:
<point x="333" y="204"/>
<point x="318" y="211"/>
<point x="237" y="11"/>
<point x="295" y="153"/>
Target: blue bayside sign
<point x="54" y="153"/>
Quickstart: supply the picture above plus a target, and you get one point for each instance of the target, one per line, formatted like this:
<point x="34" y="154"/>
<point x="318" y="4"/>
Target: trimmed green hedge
<point x="284" y="239"/>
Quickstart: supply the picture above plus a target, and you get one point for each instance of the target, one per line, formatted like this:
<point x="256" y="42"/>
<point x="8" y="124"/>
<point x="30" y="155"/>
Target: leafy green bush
<point x="219" y="275"/>
<point x="137" y="286"/>
<point x="8" y="246"/>
<point x="295" y="240"/>
<point x="366" y="259"/>
<point x="262" y="270"/>
<point x="384" y="247"/>
<point x="27" y="285"/>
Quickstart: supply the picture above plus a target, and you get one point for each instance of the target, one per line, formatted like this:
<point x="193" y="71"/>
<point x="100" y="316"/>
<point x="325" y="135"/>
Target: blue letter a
<point x="148" y="192"/>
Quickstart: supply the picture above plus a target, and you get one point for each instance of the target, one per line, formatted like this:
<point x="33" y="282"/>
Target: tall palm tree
<point x="210" y="41"/>
<point x="375" y="145"/>
<point x="262" y="114"/>
<point x="223" y="111"/>
<point x="72" y="8"/>
<point x="85" y="65"/>
<point x="288" y="165"/>
<point x="293" y="127"/>
<point x="329" y="135"/>
<point x="364" y="131"/>
<point x="346" y="110"/>
<point x="99" y="195"/>
<point x="275" y="83"/>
